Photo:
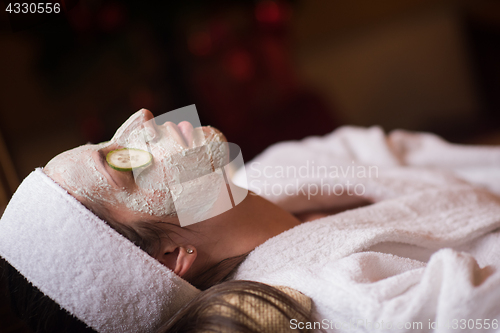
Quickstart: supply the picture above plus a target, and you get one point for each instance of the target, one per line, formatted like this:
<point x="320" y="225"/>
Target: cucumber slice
<point x="127" y="159"/>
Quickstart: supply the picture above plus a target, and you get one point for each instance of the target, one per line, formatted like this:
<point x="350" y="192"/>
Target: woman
<point x="133" y="204"/>
<point x="65" y="251"/>
<point x="326" y="254"/>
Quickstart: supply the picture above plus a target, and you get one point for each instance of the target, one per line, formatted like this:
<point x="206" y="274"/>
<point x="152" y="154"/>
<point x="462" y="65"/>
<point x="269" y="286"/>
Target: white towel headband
<point x="84" y="265"/>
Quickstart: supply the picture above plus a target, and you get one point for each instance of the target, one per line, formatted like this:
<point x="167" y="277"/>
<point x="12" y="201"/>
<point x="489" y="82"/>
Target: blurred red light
<point x="240" y="65"/>
<point x="111" y="17"/>
<point x="268" y="12"/>
<point x="200" y="43"/>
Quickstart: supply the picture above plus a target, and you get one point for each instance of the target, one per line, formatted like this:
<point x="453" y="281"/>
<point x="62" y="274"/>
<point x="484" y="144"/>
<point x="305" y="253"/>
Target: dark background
<point x="260" y="71"/>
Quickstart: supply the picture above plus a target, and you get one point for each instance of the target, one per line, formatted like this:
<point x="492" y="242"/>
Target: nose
<point x="187" y="132"/>
<point x="149" y="123"/>
<point x="147" y="114"/>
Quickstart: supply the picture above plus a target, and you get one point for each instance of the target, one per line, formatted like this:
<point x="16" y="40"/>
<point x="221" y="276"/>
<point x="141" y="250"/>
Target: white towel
<point x="382" y="166"/>
<point x="85" y="266"/>
<point x="425" y="255"/>
<point x="331" y="261"/>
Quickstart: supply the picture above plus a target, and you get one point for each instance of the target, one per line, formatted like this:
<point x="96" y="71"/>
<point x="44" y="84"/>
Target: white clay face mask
<point x="188" y="175"/>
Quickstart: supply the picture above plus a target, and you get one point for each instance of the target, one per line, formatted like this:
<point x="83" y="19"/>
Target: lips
<point x="186" y="131"/>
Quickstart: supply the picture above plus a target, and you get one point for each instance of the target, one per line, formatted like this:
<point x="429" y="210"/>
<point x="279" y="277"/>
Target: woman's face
<point x="180" y="152"/>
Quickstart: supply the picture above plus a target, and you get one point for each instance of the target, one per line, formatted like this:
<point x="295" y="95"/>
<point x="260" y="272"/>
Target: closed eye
<point x="117" y="178"/>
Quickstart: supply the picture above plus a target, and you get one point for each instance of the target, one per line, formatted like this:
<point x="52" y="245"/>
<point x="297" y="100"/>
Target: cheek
<point x="156" y="203"/>
<point x="174" y="169"/>
<point x="128" y="213"/>
<point x="158" y="186"/>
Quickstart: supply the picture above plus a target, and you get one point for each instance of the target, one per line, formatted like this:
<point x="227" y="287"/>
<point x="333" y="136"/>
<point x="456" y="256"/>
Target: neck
<point x="263" y="219"/>
<point x="242" y="228"/>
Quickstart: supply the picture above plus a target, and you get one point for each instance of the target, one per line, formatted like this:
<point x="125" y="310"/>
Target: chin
<point x="212" y="134"/>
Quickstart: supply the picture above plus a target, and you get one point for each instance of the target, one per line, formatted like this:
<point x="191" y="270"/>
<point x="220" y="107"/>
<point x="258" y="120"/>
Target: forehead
<point x="76" y="169"/>
<point x="78" y="155"/>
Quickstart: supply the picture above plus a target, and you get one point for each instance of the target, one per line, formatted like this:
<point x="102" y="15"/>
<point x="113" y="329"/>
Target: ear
<point x="179" y="259"/>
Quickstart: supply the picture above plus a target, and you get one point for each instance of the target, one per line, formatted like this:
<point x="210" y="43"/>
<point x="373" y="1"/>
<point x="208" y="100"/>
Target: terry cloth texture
<point x="423" y="257"/>
<point x="84" y="265"/>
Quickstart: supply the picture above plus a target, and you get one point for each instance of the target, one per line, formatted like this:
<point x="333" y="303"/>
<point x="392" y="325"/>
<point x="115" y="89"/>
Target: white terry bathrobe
<point x="425" y="256"/>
